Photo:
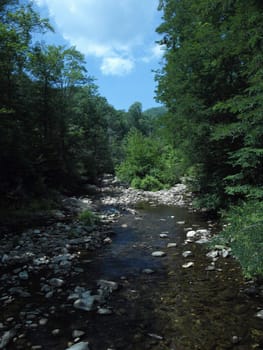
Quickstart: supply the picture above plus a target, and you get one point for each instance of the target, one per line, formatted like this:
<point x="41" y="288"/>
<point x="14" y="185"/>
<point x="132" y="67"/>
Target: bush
<point x="150" y="183"/>
<point x="244" y="234"/>
<point x="88" y="217"/>
<point x="136" y="183"/>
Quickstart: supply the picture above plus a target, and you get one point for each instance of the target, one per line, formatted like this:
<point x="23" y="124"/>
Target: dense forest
<point x="212" y="85"/>
<point x="58" y="133"/>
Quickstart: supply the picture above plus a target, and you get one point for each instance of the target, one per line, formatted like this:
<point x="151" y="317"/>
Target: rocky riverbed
<point x="72" y="286"/>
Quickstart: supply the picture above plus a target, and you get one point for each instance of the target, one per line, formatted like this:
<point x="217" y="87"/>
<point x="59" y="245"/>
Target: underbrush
<point x="243" y="232"/>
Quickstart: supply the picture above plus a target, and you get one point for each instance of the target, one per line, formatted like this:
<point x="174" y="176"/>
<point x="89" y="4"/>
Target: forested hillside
<point x="212" y="85"/>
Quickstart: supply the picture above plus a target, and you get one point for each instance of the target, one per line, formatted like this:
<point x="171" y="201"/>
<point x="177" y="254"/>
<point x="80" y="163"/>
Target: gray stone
<point x="104" y="311"/>
<point x="79" y="346"/>
<point x="6" y="338"/>
<point x="158" y="254"/>
<point x="259" y="314"/>
<point x="77" y="333"/>
<point x="109" y="285"/>
<point x="202" y="241"/>
<point x="171" y="245"/>
<point x="210" y="268"/>
<point x="56" y="331"/>
<point x="212" y="254"/>
<point x="187" y="253"/>
<point x="23" y="275"/>
<point x="191" y="234"/>
<point x="189" y="264"/>
<point x="163" y="235"/>
<point x="56" y="282"/>
<point x="225" y="253"/>
<point x="43" y="321"/>
<point x="148" y="271"/>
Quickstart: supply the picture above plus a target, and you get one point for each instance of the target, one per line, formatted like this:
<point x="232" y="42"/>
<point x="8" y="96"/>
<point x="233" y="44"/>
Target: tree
<point x="210" y="80"/>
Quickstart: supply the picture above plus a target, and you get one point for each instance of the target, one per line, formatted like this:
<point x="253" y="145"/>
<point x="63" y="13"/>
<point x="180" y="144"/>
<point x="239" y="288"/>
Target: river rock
<point x="202" y="241"/>
<point x="212" y="254"/>
<point x="6" y="338"/>
<point x="189" y="264"/>
<point x="77" y="333"/>
<point x="23" y="275"/>
<point x="43" y="321"/>
<point x="187" y="253"/>
<point x="105" y="284"/>
<point x="79" y="346"/>
<point x="148" y="271"/>
<point x="259" y="314"/>
<point x="86" y="302"/>
<point x="171" y="245"/>
<point x="56" y="282"/>
<point x="104" y="311"/>
<point x="158" y="254"/>
<point x="191" y="234"/>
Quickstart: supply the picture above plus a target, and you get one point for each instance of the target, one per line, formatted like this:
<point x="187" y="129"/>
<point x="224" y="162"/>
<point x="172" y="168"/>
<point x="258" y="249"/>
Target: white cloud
<point x="116" y="31"/>
<point x="117" y="66"/>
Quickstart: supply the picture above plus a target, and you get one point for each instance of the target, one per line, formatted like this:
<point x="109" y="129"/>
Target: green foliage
<point x="212" y="84"/>
<point x="243" y="232"/>
<point x="150" y="183"/>
<point x="88" y="218"/>
<point x="149" y="164"/>
<point x="54" y="125"/>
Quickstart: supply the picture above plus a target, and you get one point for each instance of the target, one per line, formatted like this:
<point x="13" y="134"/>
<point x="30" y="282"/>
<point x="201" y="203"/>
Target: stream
<point x="172" y="302"/>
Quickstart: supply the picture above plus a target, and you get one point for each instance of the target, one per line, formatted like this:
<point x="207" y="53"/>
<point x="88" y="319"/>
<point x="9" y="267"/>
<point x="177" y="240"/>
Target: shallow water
<point x="171" y="309"/>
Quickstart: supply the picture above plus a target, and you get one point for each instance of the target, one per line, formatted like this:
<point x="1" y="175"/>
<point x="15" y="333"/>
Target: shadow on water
<point x="171" y="308"/>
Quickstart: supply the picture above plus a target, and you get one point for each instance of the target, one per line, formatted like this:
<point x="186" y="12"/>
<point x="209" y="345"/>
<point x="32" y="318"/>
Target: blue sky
<point x="119" y="42"/>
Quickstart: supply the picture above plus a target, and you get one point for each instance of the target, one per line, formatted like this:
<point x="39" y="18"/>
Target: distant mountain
<point x="155" y="112"/>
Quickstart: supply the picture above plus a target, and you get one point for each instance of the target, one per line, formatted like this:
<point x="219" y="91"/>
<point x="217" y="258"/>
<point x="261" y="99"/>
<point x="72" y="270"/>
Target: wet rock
<point x="7" y="337"/>
<point x="155" y="336"/>
<point x="86" y="302"/>
<point x="56" y="282"/>
<point x="56" y="331"/>
<point x="225" y="253"/>
<point x="187" y="265"/>
<point x="108" y="285"/>
<point x="202" y="241"/>
<point x="235" y="339"/>
<point x="104" y="311"/>
<point x="191" y="234"/>
<point x="79" y="346"/>
<point x="187" y="253"/>
<point x="148" y="271"/>
<point x="107" y="240"/>
<point x="163" y="235"/>
<point x="212" y="254"/>
<point x="259" y="314"/>
<point x="202" y="232"/>
<point x="43" y="321"/>
<point x="5" y="258"/>
<point x="158" y="254"/>
<point x="171" y="245"/>
<point x="23" y="275"/>
<point x="77" y="333"/>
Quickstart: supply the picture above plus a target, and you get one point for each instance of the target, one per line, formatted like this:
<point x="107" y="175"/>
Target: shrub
<point x="244" y="233"/>
<point x="88" y="217"/>
<point x="150" y="183"/>
<point x="136" y="183"/>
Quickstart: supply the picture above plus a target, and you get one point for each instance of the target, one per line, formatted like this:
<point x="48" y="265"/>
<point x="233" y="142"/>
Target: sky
<point x="118" y="40"/>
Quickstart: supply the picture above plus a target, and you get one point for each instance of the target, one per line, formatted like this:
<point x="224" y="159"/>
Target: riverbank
<point x="122" y="284"/>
